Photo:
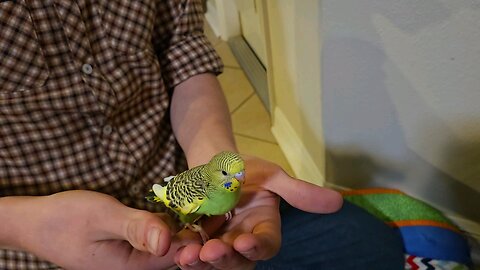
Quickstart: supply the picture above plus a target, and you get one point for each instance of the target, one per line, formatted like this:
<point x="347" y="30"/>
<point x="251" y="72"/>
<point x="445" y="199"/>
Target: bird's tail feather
<point x="151" y="197"/>
<point x="156" y="194"/>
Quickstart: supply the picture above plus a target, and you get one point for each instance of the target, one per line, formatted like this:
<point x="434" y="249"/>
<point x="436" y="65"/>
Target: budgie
<point x="209" y="189"/>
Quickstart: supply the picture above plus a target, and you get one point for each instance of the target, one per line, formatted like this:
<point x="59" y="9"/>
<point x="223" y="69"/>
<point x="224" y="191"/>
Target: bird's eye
<point x="224" y="172"/>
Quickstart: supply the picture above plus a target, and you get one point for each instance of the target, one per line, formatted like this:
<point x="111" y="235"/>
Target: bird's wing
<point x="192" y="207"/>
<point x="187" y="192"/>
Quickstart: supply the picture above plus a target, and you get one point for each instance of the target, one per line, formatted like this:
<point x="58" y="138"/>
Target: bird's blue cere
<point x="240" y="175"/>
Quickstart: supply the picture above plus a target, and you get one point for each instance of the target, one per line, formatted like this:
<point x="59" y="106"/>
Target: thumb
<point x="303" y="195"/>
<point x="145" y="231"/>
<point x="298" y="193"/>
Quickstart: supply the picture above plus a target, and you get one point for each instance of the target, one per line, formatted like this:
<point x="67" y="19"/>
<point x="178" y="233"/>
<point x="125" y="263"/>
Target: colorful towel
<point x="431" y="240"/>
<point x="417" y="263"/>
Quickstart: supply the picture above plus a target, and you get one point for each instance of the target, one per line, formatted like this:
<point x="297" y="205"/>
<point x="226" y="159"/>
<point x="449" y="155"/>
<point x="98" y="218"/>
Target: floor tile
<point x="253" y="120"/>
<point x="236" y="87"/>
<point x="226" y="54"/>
<point x="265" y="150"/>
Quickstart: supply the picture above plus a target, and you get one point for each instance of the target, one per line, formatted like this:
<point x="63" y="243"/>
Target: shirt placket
<point x="87" y="44"/>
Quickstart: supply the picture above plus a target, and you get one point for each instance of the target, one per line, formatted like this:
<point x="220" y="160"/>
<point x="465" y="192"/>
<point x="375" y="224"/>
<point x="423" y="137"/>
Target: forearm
<point x="15" y="218"/>
<point x="200" y="118"/>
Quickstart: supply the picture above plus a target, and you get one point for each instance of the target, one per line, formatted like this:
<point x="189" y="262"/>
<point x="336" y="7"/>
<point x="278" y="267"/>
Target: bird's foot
<point x="228" y="216"/>
<point x="198" y="229"/>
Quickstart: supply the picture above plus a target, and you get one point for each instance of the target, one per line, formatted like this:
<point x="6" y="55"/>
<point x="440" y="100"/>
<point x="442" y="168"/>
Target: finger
<point x="181" y="240"/>
<point x="222" y="256"/>
<point x="188" y="257"/>
<point x="303" y="195"/>
<point x="262" y="244"/>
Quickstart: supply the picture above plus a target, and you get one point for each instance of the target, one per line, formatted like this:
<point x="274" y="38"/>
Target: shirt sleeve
<point x="181" y="46"/>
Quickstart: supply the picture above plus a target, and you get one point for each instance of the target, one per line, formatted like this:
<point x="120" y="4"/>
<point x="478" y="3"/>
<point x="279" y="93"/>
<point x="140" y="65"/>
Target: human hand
<point x="90" y="230"/>
<point x="254" y="231"/>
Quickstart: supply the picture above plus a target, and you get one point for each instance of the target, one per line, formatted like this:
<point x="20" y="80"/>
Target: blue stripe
<point x="435" y="243"/>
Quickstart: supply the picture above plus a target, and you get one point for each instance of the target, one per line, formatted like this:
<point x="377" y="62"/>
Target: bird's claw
<point x="228" y="216"/>
<point x="198" y="229"/>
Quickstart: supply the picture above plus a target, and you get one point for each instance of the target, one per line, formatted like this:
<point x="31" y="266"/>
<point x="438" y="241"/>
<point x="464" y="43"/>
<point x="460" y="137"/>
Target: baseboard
<point x="472" y="230"/>
<point x="252" y="67"/>
<point x="295" y="151"/>
<point x="469" y="226"/>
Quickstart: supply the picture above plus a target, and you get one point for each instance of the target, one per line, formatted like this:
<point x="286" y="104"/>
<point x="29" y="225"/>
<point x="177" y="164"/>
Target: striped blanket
<point x="431" y="240"/>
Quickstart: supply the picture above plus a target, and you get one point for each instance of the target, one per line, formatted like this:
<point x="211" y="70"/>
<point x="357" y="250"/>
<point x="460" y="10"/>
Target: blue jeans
<point x="349" y="239"/>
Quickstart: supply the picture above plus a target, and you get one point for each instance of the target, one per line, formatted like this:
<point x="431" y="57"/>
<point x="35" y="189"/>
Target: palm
<point x="254" y="231"/>
<point x="256" y="206"/>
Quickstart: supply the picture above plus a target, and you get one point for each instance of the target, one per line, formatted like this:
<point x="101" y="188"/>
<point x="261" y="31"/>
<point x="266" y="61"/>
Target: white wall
<point x="401" y="98"/>
<point x="380" y="93"/>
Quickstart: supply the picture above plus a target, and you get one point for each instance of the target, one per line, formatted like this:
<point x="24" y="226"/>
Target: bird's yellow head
<point x="228" y="166"/>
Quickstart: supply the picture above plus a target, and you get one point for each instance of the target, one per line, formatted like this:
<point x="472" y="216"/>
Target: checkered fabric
<point x="85" y="88"/>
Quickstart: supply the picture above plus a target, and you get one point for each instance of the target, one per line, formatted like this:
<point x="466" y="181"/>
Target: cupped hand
<point x="90" y="230"/>
<point x="254" y="232"/>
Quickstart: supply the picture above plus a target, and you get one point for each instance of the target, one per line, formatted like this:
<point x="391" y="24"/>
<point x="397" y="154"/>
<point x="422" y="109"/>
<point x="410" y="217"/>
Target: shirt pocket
<point x="128" y="24"/>
<point x="22" y="63"/>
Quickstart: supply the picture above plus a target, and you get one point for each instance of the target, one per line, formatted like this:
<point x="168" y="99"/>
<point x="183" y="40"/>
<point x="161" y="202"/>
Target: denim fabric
<point x="348" y="239"/>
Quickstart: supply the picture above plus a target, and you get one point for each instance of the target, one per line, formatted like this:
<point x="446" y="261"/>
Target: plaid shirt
<point x="85" y="88"/>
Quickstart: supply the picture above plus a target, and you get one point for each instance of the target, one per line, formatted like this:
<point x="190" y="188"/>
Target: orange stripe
<point x="403" y="223"/>
<point x="371" y="191"/>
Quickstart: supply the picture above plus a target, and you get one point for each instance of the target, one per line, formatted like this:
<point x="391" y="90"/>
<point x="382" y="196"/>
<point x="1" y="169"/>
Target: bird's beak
<point x="240" y="176"/>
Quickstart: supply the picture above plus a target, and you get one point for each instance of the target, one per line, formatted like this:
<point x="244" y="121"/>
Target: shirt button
<point x="107" y="129"/>
<point x="135" y="189"/>
<point x="87" y="69"/>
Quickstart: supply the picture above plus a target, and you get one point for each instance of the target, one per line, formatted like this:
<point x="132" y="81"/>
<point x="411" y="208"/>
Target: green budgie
<point x="209" y="189"/>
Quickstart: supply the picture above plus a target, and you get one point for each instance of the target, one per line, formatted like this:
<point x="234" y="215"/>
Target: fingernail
<point x="249" y="253"/>
<point x="214" y="262"/>
<point x="194" y="263"/>
<point x="153" y="236"/>
<point x="217" y="260"/>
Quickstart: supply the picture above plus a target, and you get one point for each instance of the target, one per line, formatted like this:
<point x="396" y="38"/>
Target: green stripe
<point x="397" y="207"/>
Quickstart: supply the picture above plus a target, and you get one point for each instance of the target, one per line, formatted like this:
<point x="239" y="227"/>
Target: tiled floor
<point x="251" y="121"/>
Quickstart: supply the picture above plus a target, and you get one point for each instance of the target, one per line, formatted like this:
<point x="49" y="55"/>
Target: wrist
<point x="17" y="216"/>
<point x="201" y="119"/>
